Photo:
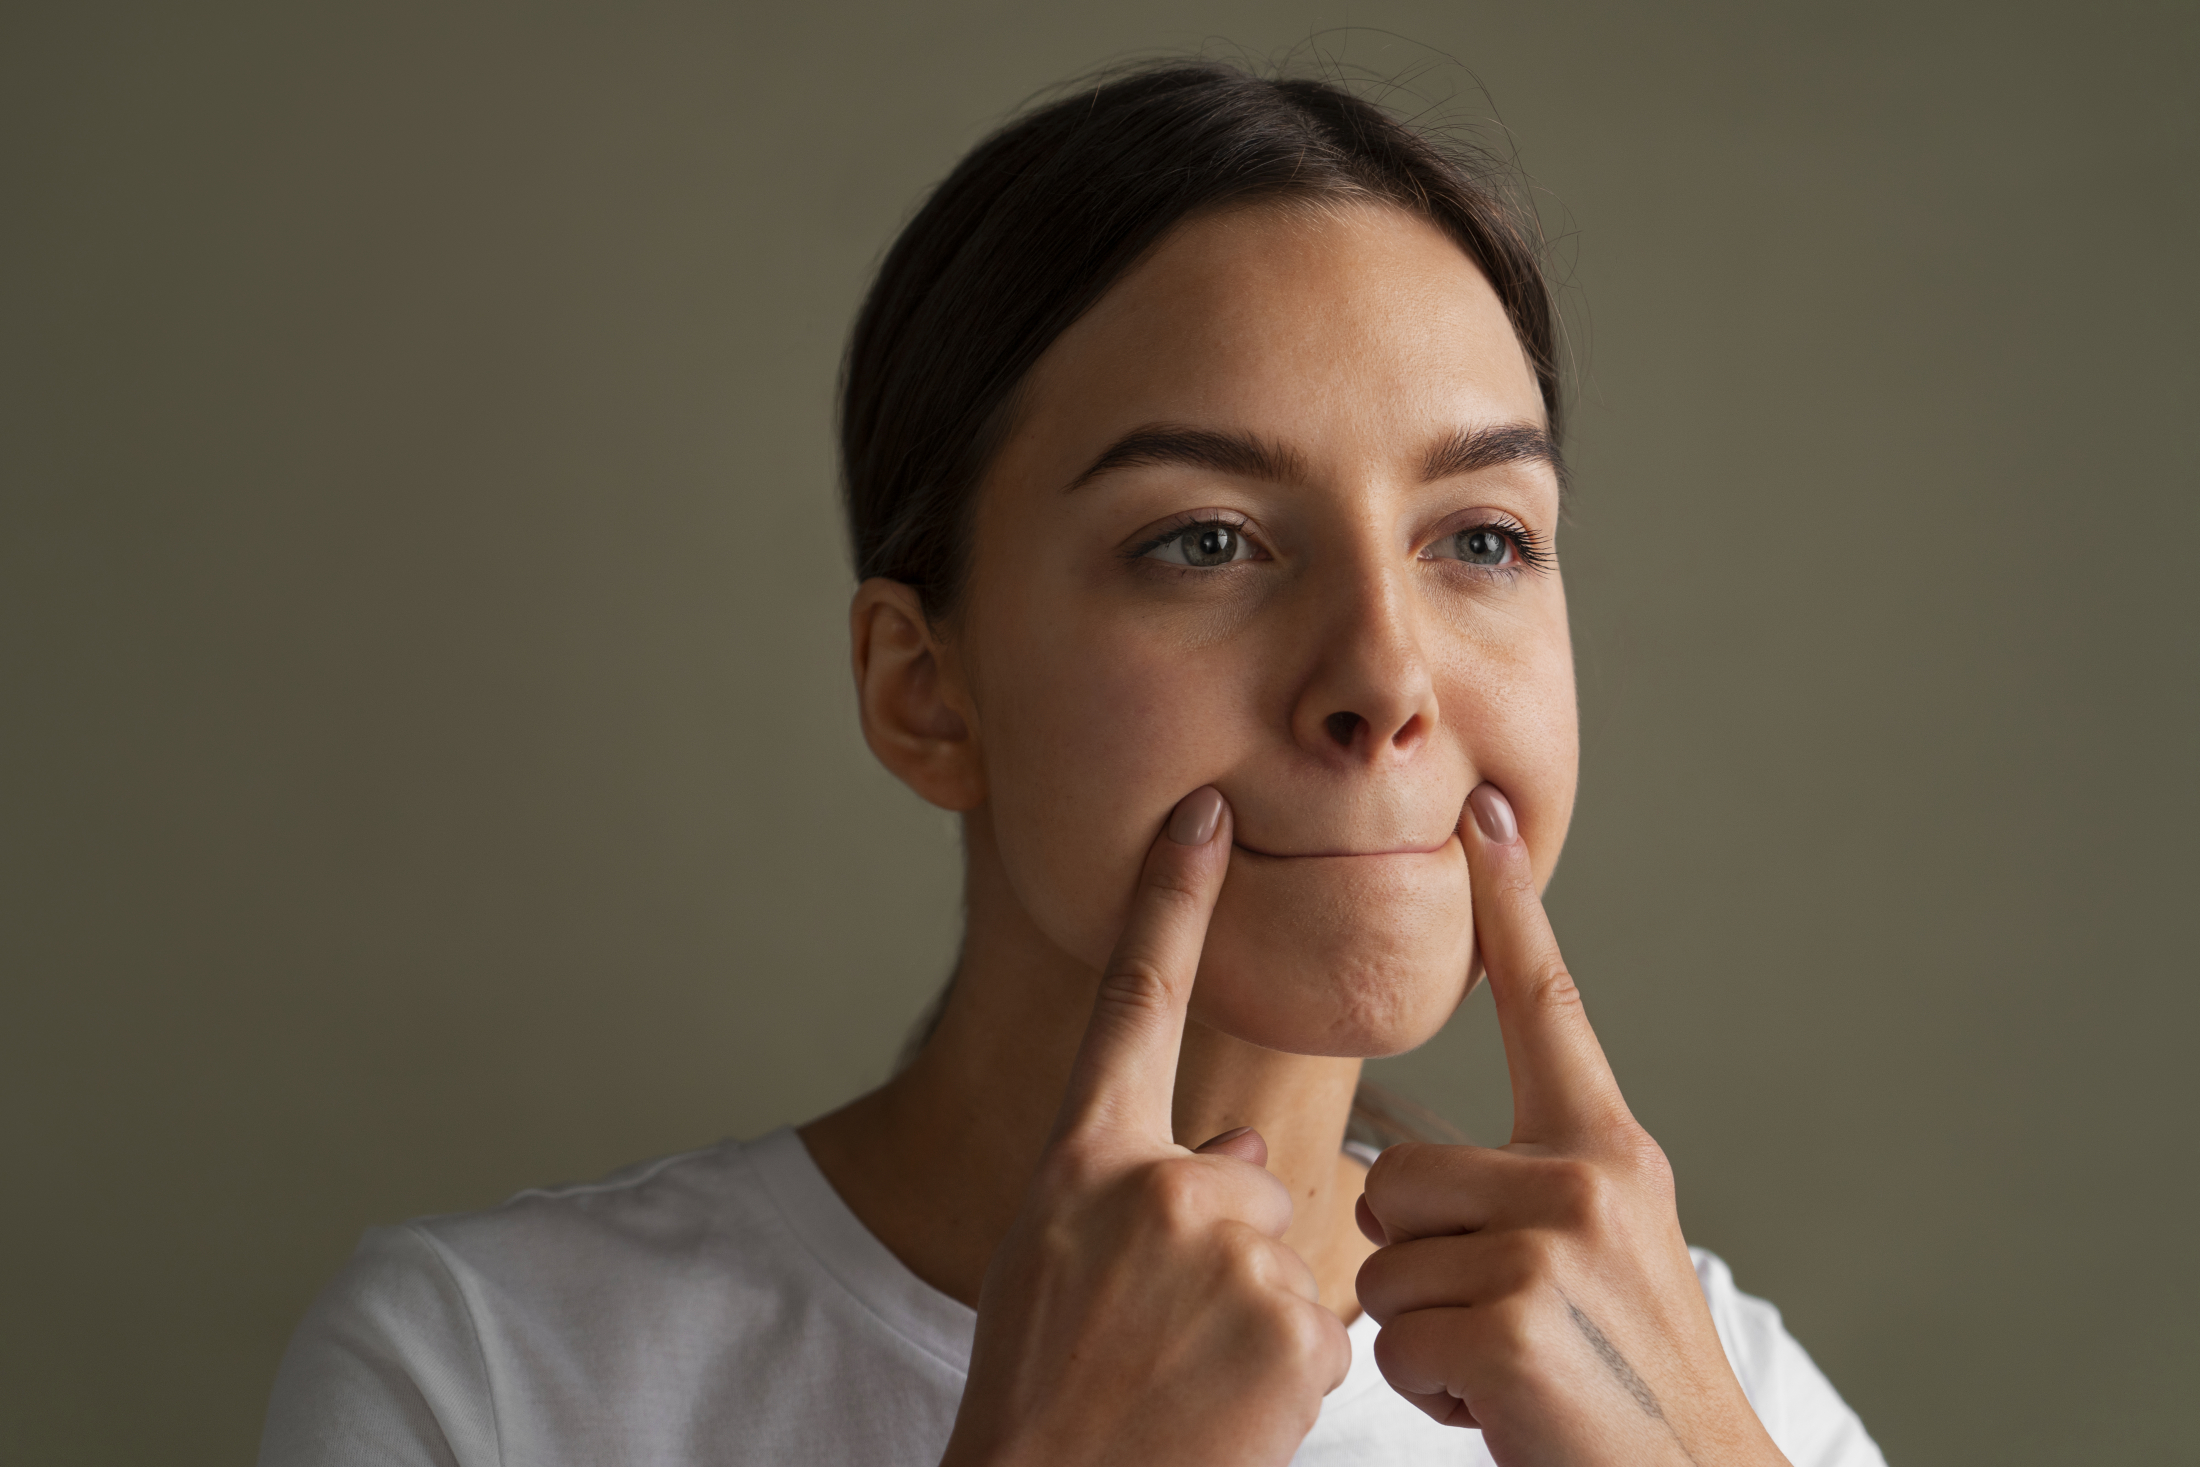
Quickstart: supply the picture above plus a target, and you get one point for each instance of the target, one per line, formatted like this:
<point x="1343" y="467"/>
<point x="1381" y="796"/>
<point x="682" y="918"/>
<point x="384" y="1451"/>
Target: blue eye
<point x="1210" y="543"/>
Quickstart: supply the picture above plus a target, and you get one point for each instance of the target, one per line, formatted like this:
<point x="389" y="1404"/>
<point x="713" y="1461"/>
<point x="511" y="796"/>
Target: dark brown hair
<point x="1043" y="216"/>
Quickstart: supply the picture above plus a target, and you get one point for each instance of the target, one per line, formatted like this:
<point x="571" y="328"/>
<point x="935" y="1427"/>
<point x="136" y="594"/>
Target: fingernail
<point x="1196" y="817"/>
<point x="1244" y="1143"/>
<point x="1493" y="813"/>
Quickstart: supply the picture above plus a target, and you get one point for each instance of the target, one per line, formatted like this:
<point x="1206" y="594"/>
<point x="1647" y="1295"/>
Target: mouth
<point x="1334" y="855"/>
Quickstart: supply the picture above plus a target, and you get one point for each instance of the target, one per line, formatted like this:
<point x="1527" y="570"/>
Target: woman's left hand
<point x="1541" y="1290"/>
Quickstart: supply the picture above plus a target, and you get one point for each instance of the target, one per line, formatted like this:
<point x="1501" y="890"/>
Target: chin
<point x="1338" y="955"/>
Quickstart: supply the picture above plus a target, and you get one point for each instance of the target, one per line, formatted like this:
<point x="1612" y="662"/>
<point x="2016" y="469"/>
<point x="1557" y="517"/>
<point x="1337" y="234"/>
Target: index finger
<point x="1562" y="1085"/>
<point x="1125" y="1074"/>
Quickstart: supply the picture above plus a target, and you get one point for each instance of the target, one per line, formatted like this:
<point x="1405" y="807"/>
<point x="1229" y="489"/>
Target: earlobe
<point x="916" y="714"/>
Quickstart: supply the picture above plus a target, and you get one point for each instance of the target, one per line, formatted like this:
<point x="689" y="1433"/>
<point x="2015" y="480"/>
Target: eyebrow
<point x="1199" y="448"/>
<point x="1246" y="456"/>
<point x="1481" y="448"/>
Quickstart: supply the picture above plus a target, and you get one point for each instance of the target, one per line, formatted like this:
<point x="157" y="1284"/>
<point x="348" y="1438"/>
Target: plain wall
<point x="427" y="762"/>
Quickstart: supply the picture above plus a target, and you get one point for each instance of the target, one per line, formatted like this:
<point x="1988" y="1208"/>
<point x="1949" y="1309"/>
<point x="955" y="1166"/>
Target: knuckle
<point x="1516" y="876"/>
<point x="1519" y="1264"/>
<point x="1392" y="1168"/>
<point x="1172" y="1193"/>
<point x="1136" y="986"/>
<point x="1517" y="880"/>
<point x="1175" y="887"/>
<point x="1173" y="883"/>
<point x="1246" y="1259"/>
<point x="1514" y="1332"/>
<point x="1578" y="1194"/>
<point x="1551" y="988"/>
<point x="1643" y="1157"/>
<point x="1393" y="1356"/>
<point x="1425" y="1351"/>
<point x="1303" y="1333"/>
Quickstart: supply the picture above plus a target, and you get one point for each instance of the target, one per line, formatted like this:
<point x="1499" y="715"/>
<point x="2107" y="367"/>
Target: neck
<point x="936" y="1161"/>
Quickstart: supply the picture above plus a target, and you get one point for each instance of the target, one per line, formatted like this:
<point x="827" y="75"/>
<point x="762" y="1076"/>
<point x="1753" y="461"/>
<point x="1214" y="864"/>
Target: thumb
<point x="1244" y="1143"/>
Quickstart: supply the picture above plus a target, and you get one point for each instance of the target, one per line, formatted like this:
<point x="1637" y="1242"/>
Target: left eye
<point x="1208" y="544"/>
<point x="1482" y="545"/>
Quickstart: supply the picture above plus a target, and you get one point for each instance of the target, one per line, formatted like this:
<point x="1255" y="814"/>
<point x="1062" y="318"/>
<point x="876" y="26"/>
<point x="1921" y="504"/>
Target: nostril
<point x="1342" y="727"/>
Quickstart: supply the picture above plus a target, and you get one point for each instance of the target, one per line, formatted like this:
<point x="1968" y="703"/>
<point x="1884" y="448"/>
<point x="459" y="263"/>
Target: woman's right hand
<point x="1144" y="1308"/>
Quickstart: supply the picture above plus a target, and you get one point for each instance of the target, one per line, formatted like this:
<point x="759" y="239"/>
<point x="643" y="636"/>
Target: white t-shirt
<point x="726" y="1307"/>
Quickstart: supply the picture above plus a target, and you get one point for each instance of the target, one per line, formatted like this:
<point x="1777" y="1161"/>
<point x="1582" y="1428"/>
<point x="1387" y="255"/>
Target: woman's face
<point x="1278" y="515"/>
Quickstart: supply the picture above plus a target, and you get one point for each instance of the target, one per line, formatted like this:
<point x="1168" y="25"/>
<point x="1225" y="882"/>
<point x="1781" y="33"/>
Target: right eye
<point x="1203" y="545"/>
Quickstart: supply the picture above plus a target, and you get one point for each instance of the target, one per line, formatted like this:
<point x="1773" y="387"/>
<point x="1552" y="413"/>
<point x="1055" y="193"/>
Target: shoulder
<point x="644" y="1219"/>
<point x="400" y="1358"/>
<point x="386" y="1366"/>
<point x="1806" y="1416"/>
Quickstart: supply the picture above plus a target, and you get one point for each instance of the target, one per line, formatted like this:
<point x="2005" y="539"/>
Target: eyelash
<point x="1171" y="529"/>
<point x="1534" y="554"/>
<point x="1528" y="546"/>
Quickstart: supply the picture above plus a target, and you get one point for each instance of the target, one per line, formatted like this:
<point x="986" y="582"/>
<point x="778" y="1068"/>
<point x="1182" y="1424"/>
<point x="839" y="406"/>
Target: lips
<point x="1403" y="809"/>
<point x="1344" y="854"/>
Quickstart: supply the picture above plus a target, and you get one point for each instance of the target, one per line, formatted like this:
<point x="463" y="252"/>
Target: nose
<point x="1369" y="696"/>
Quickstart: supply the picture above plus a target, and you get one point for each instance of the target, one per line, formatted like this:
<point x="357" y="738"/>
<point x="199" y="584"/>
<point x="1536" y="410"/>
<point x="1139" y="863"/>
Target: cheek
<point x="1089" y="741"/>
<point x="1526" y="737"/>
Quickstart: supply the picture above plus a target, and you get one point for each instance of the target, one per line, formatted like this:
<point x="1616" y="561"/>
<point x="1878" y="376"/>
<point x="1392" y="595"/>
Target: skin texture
<point x="1330" y="694"/>
<point x="1357" y="345"/>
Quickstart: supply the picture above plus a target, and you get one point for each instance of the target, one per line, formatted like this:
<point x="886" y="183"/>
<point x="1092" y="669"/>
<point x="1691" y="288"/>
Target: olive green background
<point x="429" y="766"/>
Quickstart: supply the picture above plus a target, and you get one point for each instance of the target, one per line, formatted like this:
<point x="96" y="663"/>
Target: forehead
<point x="1342" y="331"/>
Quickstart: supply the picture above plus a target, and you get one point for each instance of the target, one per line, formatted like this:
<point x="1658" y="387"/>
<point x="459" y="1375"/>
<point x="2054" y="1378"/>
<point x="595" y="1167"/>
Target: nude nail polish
<point x="1196" y="817"/>
<point x="1493" y="815"/>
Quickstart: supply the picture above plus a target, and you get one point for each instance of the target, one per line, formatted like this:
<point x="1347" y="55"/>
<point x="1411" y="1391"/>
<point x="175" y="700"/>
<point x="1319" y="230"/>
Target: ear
<point x="917" y="715"/>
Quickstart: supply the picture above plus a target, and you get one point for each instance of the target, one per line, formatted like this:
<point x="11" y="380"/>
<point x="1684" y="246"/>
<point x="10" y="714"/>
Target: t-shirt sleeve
<point x="385" y="1369"/>
<point x="1806" y="1416"/>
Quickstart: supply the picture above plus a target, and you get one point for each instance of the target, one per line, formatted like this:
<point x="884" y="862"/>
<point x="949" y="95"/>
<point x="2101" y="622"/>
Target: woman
<point x="1201" y="440"/>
